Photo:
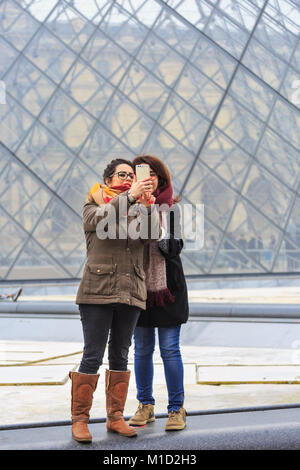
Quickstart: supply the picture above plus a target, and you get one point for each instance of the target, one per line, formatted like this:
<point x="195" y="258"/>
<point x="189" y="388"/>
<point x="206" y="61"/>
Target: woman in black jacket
<point x="167" y="308"/>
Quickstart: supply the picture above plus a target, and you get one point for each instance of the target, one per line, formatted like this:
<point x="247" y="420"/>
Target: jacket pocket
<point x="99" y="279"/>
<point x="139" y="284"/>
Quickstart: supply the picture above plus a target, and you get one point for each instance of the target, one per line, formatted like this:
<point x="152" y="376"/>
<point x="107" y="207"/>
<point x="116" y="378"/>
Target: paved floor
<point x="34" y="384"/>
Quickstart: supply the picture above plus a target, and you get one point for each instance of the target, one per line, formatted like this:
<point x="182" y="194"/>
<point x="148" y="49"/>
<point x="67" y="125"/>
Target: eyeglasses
<point x="123" y="175"/>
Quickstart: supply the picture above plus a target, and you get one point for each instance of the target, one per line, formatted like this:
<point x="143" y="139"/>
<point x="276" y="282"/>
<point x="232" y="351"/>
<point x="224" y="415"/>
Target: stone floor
<point x="34" y="383"/>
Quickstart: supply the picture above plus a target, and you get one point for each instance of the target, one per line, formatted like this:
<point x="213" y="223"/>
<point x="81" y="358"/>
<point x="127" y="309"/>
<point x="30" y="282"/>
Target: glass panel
<point x="28" y="86"/>
<point x="178" y="34"/>
<point x="293" y="226"/>
<point x="231" y="259"/>
<point x="280" y="158"/>
<point x="288" y="258"/>
<point x="264" y="64"/>
<point x="146" y="12"/>
<point x="213" y="62"/>
<point x="67" y="120"/>
<point x="101" y="147"/>
<point x="94" y="11"/>
<point x="45" y="155"/>
<point x="239" y="124"/>
<point x="99" y="52"/>
<point x="21" y="195"/>
<point x="203" y="187"/>
<point x="184" y="123"/>
<point x="87" y="88"/>
<point x="225" y="158"/>
<point x="275" y="37"/>
<point x="291" y="87"/>
<point x="14" y="123"/>
<point x="195" y="11"/>
<point x="7" y="56"/>
<point x="35" y="263"/>
<point x="252" y="93"/>
<point x="227" y="34"/>
<point x="144" y="90"/>
<point x="124" y="29"/>
<point x="127" y="122"/>
<point x="60" y="233"/>
<point x="37" y="8"/>
<point x="164" y="62"/>
<point x="12" y="240"/>
<point x="255" y="236"/>
<point x="72" y="28"/>
<point x="77" y="184"/>
<point x="15" y="24"/>
<point x="244" y="13"/>
<point x="268" y="195"/>
<point x="199" y="91"/>
<point x="286" y="121"/>
<point x="50" y="55"/>
<point x="175" y="156"/>
<point x="286" y="13"/>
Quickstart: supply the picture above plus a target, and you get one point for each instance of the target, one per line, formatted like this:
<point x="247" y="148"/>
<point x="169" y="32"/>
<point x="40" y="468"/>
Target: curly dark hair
<point x="110" y="169"/>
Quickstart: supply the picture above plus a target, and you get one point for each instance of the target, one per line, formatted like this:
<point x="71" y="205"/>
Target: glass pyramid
<point x="210" y="86"/>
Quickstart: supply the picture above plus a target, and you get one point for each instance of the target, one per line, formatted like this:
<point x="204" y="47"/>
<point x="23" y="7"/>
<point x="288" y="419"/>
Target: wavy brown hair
<point x="164" y="177"/>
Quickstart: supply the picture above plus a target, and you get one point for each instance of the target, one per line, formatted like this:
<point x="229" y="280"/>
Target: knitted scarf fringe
<point x="159" y="297"/>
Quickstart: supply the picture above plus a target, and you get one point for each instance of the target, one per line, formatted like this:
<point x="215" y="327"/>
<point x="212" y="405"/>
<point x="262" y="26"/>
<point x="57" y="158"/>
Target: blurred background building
<point x="210" y="86"/>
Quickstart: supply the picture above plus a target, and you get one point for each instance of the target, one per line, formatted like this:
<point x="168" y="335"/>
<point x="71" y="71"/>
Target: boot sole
<point x="141" y="423"/>
<point x="122" y="434"/>
<point x="87" y="441"/>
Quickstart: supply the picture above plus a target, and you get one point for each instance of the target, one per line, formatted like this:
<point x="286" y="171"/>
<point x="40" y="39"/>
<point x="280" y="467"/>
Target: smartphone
<point x="142" y="171"/>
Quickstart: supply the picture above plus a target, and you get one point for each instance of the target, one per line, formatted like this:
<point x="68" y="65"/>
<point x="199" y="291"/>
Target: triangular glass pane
<point x="15" y="122"/>
<point x="254" y="234"/>
<point x="8" y="55"/>
<point x="70" y="26"/>
<point x="35" y="263"/>
<point x="284" y="113"/>
<point x="16" y="25"/>
<point x="55" y="63"/>
<point x="127" y="122"/>
<point x="45" y="155"/>
<point x="213" y="61"/>
<point x="225" y="157"/>
<point x="12" y="240"/>
<point x="178" y="159"/>
<point x="60" y="233"/>
<point x="28" y="85"/>
<point x="88" y="88"/>
<point x="239" y="124"/>
<point x="268" y="195"/>
<point x="100" y="147"/>
<point x="136" y="85"/>
<point x="288" y="258"/>
<point x="203" y="187"/>
<point x="177" y="33"/>
<point x="124" y="29"/>
<point x="98" y="53"/>
<point x="184" y="123"/>
<point x="67" y="120"/>
<point x="280" y="158"/>
<point x="230" y="259"/>
<point x="76" y="185"/>
<point x="22" y="195"/>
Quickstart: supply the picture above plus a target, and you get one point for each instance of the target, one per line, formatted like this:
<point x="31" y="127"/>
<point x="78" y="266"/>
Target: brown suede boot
<point x="116" y="387"/>
<point x="83" y="387"/>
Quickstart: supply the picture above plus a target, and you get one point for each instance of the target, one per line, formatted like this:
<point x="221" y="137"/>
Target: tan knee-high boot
<point x="83" y="387"/>
<point x="116" y="387"/>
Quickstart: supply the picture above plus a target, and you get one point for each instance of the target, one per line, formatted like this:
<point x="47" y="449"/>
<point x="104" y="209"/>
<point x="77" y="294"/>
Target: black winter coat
<point x="176" y="313"/>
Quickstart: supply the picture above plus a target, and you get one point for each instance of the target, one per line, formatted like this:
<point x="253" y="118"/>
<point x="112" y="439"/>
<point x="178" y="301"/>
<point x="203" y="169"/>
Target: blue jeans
<point x="144" y="341"/>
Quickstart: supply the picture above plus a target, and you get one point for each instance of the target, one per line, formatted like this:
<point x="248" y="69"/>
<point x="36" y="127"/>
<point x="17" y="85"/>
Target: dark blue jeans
<point x="144" y="342"/>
